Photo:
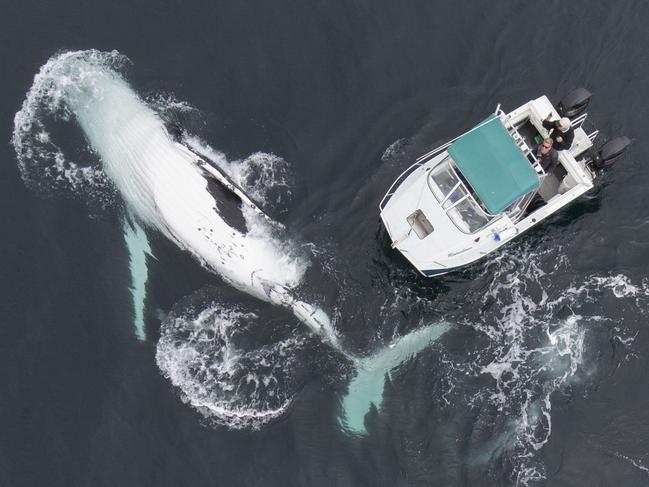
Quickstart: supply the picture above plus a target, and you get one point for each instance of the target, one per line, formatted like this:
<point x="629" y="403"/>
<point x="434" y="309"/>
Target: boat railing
<point x="470" y="192"/>
<point x="396" y="183"/>
<point x="454" y="215"/>
<point x="520" y="141"/>
<point x="517" y="212"/>
<point x="579" y="122"/>
<point x="522" y="203"/>
<point x="515" y="134"/>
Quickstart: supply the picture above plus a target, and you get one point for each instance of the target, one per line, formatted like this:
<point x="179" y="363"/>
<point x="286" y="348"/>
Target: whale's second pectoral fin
<point x="138" y="248"/>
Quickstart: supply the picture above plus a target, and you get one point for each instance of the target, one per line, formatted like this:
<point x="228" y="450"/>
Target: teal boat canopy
<point x="494" y="165"/>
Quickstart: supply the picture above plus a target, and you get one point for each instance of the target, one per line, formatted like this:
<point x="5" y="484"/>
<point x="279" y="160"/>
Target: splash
<point x="204" y="355"/>
<point x="265" y="177"/>
<point x="395" y="151"/>
<point x="44" y="164"/>
<point x="531" y="355"/>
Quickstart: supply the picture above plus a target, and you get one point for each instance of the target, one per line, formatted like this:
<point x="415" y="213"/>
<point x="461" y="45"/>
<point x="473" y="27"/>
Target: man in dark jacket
<point x="560" y="131"/>
<point x="547" y="156"/>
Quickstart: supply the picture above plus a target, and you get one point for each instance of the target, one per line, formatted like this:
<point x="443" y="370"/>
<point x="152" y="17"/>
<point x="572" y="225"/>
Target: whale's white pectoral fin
<point x="138" y="248"/>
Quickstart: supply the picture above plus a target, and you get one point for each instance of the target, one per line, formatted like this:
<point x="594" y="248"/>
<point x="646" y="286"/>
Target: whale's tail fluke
<point x="366" y="389"/>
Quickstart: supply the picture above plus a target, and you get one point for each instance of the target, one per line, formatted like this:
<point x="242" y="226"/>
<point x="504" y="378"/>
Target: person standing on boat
<point x="560" y="131"/>
<point x="547" y="155"/>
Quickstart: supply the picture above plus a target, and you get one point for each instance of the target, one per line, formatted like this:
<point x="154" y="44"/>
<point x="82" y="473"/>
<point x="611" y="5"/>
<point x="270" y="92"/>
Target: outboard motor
<point x="574" y="103"/>
<point x="610" y="153"/>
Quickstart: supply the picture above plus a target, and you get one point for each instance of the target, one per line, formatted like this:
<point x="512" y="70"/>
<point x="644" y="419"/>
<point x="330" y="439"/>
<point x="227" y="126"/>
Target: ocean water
<point x="295" y="347"/>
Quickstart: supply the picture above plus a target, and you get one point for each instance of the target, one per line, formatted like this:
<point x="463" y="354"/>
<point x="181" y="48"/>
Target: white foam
<point x="266" y="178"/>
<point x="619" y="284"/>
<point x="226" y="384"/>
<point x="168" y="104"/>
<point x="395" y="150"/>
<point x="637" y="464"/>
<point x="532" y="354"/>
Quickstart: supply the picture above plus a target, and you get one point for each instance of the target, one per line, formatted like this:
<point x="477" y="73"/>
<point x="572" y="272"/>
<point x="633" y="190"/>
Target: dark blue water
<point x="348" y="94"/>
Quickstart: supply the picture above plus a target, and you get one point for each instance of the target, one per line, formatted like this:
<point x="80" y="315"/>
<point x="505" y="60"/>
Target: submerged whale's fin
<point x="138" y="248"/>
<point x="366" y="389"/>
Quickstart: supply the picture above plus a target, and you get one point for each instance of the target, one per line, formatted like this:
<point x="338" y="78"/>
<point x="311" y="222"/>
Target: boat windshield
<point x="456" y="200"/>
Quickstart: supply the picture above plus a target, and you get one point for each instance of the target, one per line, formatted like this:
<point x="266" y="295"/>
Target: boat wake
<point x="537" y="350"/>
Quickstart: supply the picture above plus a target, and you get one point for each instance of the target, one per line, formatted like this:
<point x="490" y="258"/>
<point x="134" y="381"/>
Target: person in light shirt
<point x="560" y="131"/>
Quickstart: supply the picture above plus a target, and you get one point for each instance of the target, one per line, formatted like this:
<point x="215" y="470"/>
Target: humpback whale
<point x="170" y="187"/>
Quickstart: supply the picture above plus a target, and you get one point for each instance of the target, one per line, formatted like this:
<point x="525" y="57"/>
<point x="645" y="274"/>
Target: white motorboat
<point x="474" y="194"/>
